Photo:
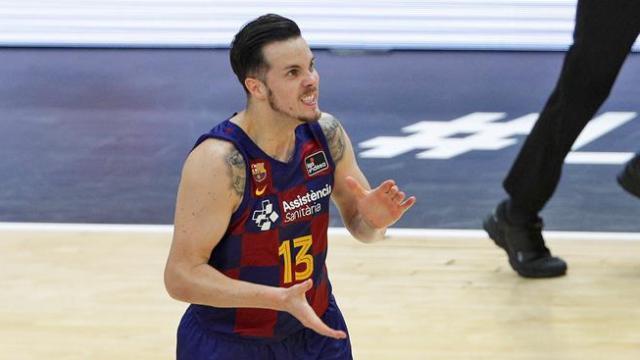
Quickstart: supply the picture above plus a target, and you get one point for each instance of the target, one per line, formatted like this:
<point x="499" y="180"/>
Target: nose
<point x="311" y="79"/>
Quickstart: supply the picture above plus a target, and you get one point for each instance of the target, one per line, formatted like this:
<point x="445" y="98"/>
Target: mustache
<point x="310" y="91"/>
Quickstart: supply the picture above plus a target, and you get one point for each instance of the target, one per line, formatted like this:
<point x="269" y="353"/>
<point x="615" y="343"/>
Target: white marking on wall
<point x="482" y="131"/>
<point x="602" y="125"/>
<point x="598" y="158"/>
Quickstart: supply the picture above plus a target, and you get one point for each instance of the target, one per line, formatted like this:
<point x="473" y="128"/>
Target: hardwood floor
<point x="99" y="295"/>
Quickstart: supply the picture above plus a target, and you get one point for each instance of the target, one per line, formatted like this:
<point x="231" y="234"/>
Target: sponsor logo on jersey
<point x="316" y="163"/>
<point x="305" y="205"/>
<point x="265" y="217"/>
<point x="261" y="190"/>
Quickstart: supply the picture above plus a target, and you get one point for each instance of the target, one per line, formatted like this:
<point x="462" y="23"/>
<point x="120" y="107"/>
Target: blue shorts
<point x="195" y="343"/>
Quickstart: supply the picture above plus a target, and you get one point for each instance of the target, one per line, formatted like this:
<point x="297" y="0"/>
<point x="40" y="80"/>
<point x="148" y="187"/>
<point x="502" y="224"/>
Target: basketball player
<point x="252" y="212"/>
<point x="604" y="34"/>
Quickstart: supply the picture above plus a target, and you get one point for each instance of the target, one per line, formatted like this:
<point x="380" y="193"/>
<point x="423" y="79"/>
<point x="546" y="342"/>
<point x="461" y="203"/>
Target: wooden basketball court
<point x="99" y="295"/>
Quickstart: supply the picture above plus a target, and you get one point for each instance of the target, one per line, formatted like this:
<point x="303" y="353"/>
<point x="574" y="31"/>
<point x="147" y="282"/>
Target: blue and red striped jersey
<point x="278" y="235"/>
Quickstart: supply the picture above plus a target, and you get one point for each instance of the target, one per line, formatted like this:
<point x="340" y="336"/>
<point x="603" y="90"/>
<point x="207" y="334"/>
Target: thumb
<point x="304" y="286"/>
<point x="355" y="187"/>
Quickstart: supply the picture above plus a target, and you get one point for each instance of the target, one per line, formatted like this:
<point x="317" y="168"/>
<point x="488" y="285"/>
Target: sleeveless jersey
<point x="278" y="235"/>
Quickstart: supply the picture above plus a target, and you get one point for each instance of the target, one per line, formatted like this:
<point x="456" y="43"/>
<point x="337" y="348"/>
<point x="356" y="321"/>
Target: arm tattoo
<point x="335" y="137"/>
<point x="237" y="171"/>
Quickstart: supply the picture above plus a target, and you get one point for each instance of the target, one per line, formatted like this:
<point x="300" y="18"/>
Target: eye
<point x="292" y="73"/>
<point x="312" y="66"/>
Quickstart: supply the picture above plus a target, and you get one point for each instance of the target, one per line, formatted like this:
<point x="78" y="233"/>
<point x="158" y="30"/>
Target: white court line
<point x="602" y="158"/>
<point x="395" y="232"/>
<point x="61" y="227"/>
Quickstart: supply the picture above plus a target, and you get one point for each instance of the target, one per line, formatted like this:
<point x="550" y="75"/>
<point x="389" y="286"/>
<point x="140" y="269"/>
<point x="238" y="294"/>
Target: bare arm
<point x="211" y="188"/>
<point x="366" y="212"/>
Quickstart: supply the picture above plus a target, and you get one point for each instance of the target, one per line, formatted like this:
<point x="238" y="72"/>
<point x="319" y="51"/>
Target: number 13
<point x="302" y="257"/>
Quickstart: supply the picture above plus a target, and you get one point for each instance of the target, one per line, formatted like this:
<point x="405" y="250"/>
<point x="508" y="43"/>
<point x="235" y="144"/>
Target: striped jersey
<point x="278" y="235"/>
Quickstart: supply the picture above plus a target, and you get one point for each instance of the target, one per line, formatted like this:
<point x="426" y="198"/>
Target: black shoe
<point x="524" y="245"/>
<point x="629" y="177"/>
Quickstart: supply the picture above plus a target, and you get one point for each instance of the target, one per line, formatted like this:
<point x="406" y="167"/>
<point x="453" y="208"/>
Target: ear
<point x="256" y="88"/>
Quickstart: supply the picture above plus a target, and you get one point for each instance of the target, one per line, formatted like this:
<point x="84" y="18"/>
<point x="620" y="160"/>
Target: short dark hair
<point x="246" y="48"/>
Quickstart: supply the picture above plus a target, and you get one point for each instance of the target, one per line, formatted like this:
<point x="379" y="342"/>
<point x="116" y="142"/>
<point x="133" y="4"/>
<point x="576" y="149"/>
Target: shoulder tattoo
<point x="335" y="137"/>
<point x="236" y="171"/>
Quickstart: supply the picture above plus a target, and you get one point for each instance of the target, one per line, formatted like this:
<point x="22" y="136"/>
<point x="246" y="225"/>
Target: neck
<point x="273" y="133"/>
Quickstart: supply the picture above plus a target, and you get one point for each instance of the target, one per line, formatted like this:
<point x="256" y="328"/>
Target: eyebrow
<point x="296" y="66"/>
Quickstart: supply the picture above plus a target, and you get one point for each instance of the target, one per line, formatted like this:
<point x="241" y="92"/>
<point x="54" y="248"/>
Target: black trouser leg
<point x="603" y="36"/>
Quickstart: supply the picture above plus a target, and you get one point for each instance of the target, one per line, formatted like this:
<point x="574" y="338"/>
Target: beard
<point x="277" y="108"/>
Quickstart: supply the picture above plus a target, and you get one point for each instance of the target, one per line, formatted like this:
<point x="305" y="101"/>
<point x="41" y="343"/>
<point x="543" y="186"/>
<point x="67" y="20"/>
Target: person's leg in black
<point x="629" y="178"/>
<point x="603" y="36"/>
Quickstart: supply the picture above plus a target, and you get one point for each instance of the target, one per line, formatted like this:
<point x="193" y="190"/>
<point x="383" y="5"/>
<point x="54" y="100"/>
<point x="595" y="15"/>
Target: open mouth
<point x="310" y="99"/>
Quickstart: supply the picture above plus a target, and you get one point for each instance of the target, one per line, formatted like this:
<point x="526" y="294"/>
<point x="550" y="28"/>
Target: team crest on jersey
<point x="316" y="163"/>
<point x="259" y="171"/>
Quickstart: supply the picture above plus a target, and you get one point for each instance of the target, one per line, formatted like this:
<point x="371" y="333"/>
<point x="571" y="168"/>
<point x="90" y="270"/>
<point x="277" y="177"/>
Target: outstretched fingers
<point x="302" y="311"/>
<point x="387" y="186"/>
<point x="408" y="203"/>
<point x="399" y="197"/>
<point x="316" y="324"/>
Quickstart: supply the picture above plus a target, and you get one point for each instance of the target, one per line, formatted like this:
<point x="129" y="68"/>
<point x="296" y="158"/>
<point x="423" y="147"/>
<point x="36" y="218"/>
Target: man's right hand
<point x="295" y="303"/>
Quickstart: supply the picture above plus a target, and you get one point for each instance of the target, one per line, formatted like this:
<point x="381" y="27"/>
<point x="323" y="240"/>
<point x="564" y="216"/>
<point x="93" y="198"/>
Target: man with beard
<point x="250" y="237"/>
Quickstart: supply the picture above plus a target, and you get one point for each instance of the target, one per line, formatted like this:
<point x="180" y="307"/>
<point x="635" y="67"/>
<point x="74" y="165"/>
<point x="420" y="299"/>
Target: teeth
<point x="309" y="99"/>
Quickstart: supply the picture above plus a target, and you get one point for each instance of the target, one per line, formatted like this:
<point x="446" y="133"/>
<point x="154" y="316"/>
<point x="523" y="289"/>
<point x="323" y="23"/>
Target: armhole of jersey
<point x="318" y="133"/>
<point x="247" y="184"/>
